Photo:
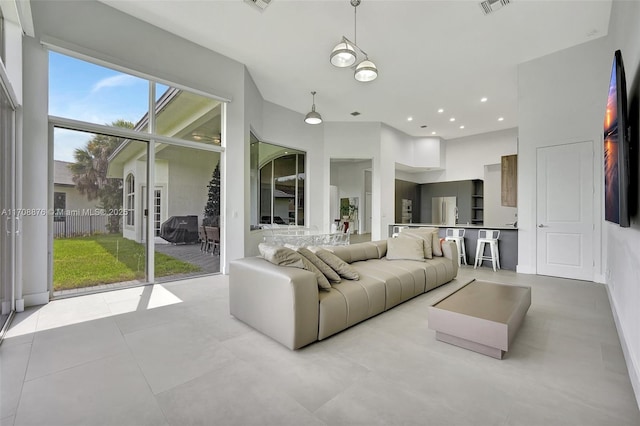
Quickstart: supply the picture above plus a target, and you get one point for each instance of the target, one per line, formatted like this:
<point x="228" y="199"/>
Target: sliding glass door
<point x="9" y="218"/>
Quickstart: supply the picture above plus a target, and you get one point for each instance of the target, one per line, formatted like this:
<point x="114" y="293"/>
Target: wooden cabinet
<point x="509" y="181"/>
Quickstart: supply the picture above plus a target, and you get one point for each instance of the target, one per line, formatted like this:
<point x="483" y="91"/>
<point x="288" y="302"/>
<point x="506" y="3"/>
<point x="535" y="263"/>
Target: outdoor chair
<point x="213" y="238"/>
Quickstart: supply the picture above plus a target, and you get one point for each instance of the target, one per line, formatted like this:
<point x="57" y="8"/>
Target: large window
<point x="278" y="175"/>
<point x="147" y="166"/>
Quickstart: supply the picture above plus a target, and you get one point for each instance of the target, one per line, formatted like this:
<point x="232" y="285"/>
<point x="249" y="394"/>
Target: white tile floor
<point x="173" y="355"/>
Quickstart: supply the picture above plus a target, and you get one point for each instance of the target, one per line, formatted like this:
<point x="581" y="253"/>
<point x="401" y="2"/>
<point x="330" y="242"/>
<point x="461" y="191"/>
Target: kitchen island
<point x="507" y="244"/>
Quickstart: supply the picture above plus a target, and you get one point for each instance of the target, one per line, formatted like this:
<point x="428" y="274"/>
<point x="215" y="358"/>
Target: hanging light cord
<point x="355" y="24"/>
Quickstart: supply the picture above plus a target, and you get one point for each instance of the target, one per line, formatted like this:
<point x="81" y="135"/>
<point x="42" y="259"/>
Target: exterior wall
<point x="189" y="174"/>
<point x="75" y="200"/>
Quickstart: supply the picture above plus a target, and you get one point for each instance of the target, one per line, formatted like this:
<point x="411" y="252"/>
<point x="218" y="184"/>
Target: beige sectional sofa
<point x="286" y="304"/>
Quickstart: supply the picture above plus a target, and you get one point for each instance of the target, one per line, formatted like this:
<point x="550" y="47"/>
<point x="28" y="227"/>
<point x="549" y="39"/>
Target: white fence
<point x="78" y="225"/>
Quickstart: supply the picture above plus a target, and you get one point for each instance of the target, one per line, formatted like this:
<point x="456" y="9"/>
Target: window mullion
<point x="151" y="161"/>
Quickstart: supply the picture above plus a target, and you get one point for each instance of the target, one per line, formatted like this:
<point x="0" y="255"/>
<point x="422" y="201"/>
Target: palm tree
<point x="90" y="173"/>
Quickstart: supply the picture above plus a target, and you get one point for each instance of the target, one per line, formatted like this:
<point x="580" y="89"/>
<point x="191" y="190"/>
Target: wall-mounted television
<point x="616" y="147"/>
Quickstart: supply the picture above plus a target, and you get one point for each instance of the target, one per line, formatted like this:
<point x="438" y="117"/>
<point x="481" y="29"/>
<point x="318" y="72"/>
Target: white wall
<point x="622" y="267"/>
<point x="466" y="157"/>
<point x="562" y="100"/>
<point x="362" y="141"/>
<point x="35" y="186"/>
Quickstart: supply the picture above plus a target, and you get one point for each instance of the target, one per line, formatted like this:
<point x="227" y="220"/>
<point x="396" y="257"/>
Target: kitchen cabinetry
<point x="477" y="202"/>
<point x="465" y="202"/>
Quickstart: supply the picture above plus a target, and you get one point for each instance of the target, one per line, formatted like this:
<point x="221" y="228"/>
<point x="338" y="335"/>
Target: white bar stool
<point x="457" y="235"/>
<point x="488" y="236"/>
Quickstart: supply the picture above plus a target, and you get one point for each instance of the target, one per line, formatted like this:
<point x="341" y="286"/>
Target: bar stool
<point x="457" y="235"/>
<point x="487" y="236"/>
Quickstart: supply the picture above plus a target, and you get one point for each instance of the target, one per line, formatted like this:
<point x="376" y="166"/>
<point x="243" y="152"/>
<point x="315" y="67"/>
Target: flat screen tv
<point x="616" y="147"/>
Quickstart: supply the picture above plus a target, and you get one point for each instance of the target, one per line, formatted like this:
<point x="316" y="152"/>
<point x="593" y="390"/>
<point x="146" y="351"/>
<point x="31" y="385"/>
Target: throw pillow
<point x="425" y="237"/>
<point x="281" y="256"/>
<point x="326" y="270"/>
<point x="437" y="246"/>
<point x="284" y="256"/>
<point x="405" y="249"/>
<point x="340" y="266"/>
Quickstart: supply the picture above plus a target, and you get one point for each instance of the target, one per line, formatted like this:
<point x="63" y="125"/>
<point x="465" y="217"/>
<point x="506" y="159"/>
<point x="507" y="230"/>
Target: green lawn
<point x="103" y="259"/>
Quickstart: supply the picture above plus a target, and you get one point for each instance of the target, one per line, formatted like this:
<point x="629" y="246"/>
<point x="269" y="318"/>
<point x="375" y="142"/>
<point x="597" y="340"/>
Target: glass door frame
<point x="9" y="203"/>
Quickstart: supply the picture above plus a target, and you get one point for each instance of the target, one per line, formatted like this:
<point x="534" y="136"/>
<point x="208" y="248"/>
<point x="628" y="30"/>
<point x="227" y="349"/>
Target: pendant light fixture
<point x="345" y="55"/>
<point x="313" y="117"/>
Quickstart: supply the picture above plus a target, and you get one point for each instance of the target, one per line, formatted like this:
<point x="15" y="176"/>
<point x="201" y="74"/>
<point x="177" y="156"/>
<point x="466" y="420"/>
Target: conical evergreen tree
<point x="212" y="208"/>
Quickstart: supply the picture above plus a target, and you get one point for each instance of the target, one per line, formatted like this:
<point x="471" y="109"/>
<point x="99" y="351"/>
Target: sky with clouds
<point x="88" y="92"/>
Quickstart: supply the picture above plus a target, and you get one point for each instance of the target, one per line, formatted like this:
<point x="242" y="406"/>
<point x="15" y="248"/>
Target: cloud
<point x="119" y="80"/>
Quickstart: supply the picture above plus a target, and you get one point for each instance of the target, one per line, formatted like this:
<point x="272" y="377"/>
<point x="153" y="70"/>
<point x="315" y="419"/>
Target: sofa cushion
<point x="403" y="279"/>
<point x="284" y="256"/>
<point x="405" y="249"/>
<point x="340" y="266"/>
<point x="326" y="270"/>
<point x="348" y="303"/>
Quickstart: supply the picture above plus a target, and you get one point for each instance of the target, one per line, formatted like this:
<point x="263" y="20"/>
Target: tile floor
<point x="172" y="355"/>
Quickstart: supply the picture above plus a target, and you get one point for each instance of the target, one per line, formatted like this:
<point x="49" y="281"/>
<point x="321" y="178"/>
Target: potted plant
<point x="344" y="211"/>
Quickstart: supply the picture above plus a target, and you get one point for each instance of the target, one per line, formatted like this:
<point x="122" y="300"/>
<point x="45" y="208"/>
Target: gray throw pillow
<point x="284" y="256"/>
<point x="326" y="270"/>
<point x="405" y="249"/>
<point x="340" y="266"/>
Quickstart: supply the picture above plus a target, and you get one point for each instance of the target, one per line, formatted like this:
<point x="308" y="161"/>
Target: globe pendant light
<point x="313" y="117"/>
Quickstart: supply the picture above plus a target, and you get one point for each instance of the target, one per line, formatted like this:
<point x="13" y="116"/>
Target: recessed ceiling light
<point x="462" y="127"/>
<point x="501" y="119"/>
<point x="433" y="133"/>
<point x="440" y="110"/>
<point x="452" y="119"/>
<point x="409" y="118"/>
<point x="483" y="100"/>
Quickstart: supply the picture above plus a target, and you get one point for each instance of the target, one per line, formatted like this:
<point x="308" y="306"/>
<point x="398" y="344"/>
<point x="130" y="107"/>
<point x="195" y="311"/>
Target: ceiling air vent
<point x="260" y="4"/>
<point x="490" y="6"/>
<point x="355" y="113"/>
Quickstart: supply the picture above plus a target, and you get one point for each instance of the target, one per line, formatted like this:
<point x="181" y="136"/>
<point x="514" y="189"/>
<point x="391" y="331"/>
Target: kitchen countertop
<point x="458" y="225"/>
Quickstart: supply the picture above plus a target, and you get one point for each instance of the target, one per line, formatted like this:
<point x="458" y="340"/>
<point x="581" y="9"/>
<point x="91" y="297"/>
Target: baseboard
<point x="599" y="278"/>
<point x="36" y="299"/>
<point x="634" y="370"/>
<point x="524" y="269"/>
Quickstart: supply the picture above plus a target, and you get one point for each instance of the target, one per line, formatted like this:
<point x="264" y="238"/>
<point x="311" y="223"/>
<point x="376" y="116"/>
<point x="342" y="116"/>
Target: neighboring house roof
<point x="62" y="174"/>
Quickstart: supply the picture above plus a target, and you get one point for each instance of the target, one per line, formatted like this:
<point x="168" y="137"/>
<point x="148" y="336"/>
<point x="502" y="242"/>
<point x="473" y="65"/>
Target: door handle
<point x="541" y="226"/>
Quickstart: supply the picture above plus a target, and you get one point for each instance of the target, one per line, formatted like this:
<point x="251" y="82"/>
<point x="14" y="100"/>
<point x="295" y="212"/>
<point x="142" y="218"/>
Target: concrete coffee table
<point x="481" y="316"/>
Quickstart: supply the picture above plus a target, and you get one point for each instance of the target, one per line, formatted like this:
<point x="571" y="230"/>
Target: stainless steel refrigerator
<point x="444" y="210"/>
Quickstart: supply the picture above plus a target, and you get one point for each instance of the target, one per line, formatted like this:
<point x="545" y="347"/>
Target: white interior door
<point x="367" y="213"/>
<point x="565" y="211"/>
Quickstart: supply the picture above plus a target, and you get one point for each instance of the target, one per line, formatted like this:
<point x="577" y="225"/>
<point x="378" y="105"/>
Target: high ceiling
<point x="430" y="54"/>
